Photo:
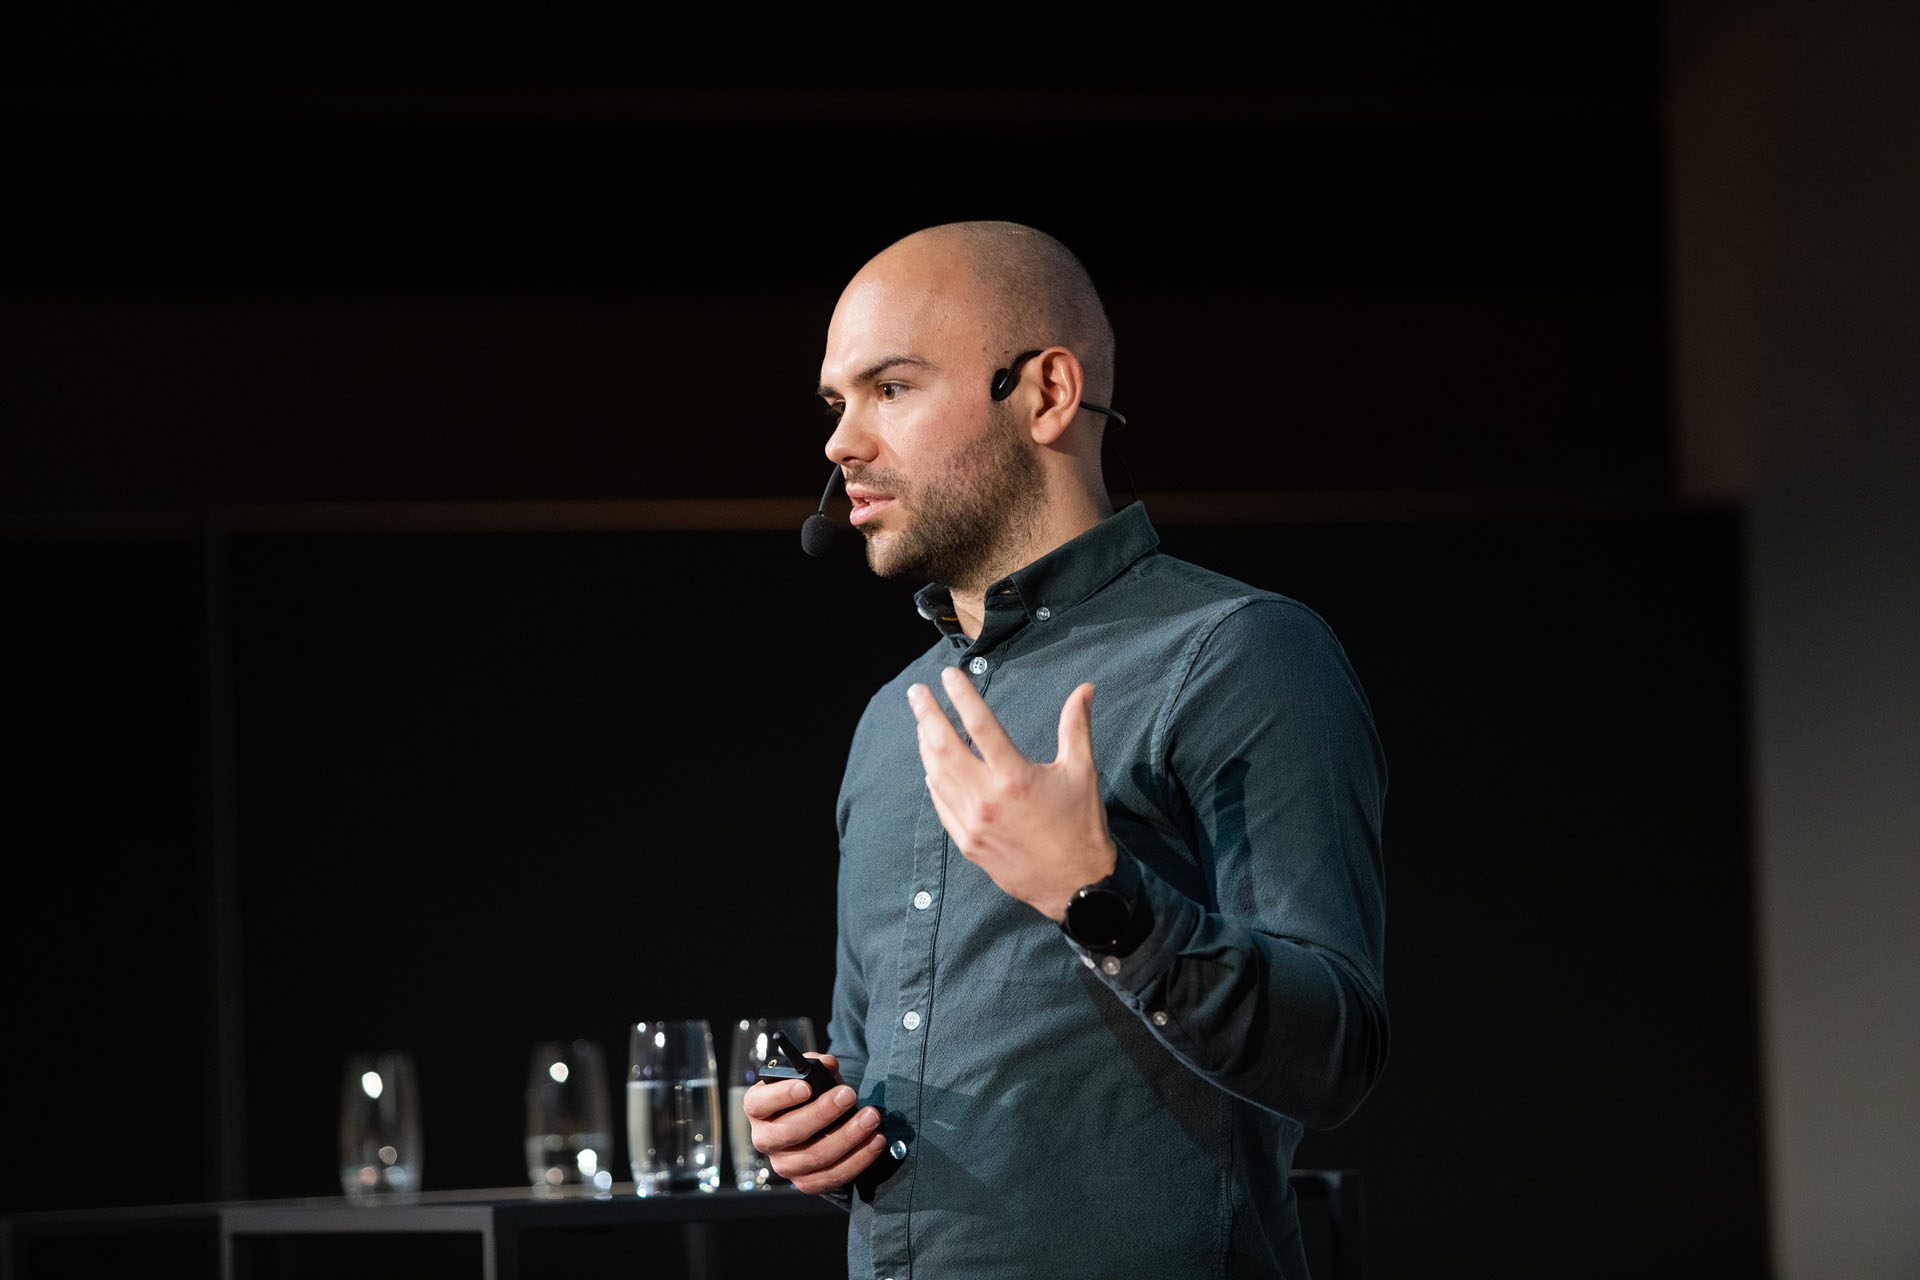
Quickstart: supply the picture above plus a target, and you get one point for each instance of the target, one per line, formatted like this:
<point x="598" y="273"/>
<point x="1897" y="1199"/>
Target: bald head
<point x="946" y="478"/>
<point x="1030" y="289"/>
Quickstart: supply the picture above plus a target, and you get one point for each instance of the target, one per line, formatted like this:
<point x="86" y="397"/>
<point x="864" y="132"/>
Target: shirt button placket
<point x="892" y="1240"/>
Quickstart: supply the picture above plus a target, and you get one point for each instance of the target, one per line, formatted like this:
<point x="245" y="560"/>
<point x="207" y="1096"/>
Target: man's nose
<point x="850" y="441"/>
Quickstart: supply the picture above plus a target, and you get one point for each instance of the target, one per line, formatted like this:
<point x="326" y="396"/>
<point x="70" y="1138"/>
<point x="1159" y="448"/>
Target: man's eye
<point x="832" y="410"/>
<point x="889" y="391"/>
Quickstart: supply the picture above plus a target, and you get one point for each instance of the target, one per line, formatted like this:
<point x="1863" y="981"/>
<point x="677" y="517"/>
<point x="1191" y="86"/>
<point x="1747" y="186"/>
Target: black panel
<point x="104" y="913"/>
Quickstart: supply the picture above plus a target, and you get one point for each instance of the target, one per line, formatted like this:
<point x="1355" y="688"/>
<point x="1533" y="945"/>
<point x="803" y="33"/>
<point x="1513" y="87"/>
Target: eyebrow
<point x="877" y="368"/>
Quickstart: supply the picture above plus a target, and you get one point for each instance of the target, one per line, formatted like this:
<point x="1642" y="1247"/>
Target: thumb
<point x="1076" y="728"/>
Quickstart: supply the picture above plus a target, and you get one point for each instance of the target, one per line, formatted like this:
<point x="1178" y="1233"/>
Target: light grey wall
<point x="1795" y="185"/>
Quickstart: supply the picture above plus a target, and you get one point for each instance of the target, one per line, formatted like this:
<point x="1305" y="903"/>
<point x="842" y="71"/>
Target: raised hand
<point x="1039" y="830"/>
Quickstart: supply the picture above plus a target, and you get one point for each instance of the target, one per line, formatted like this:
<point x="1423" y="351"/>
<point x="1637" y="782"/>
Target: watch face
<point x="1096" y="919"/>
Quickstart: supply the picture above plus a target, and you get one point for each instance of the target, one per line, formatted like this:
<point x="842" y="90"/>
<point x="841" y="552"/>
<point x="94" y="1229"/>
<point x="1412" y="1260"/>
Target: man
<point x="1084" y="1008"/>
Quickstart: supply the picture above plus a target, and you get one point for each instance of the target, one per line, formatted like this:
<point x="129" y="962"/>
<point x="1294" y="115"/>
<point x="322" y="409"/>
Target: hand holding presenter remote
<point x="800" y="1117"/>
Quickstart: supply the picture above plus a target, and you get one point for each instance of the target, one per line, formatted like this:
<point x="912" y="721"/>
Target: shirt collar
<point x="1056" y="581"/>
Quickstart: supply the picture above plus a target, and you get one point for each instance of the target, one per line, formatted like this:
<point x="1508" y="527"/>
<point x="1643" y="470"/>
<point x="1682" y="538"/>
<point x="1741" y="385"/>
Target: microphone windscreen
<point x="816" y="535"/>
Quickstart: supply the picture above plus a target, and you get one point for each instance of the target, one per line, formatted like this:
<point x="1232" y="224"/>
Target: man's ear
<point x="1061" y="381"/>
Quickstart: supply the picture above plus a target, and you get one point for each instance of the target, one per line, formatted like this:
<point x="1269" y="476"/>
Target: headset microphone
<point x="816" y="535"/>
<point x="1005" y="380"/>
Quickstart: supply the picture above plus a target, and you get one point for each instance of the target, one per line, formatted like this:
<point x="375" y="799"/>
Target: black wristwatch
<point x="1108" y="914"/>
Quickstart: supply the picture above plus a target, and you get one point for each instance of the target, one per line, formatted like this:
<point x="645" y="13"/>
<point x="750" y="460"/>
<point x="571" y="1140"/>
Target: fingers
<point x="841" y="1171"/>
<point x="937" y="738"/>
<point x="770" y="1098"/>
<point x="952" y="770"/>
<point x="937" y="786"/>
<point x="939" y="742"/>
<point x="953" y="773"/>
<point x="808" y="1144"/>
<point x="996" y="748"/>
<point x="792" y="1126"/>
<point x="1076" y="727"/>
<point x="815" y="1145"/>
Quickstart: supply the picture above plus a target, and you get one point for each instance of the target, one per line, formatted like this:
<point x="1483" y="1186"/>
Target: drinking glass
<point x="380" y="1124"/>
<point x="673" y="1108"/>
<point x="751" y="1172"/>
<point x="569" y="1132"/>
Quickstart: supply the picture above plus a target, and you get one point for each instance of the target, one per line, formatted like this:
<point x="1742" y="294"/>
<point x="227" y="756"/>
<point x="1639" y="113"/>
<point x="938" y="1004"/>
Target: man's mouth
<point x="867" y="504"/>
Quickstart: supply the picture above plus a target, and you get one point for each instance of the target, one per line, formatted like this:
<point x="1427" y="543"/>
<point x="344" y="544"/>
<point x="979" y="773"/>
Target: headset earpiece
<point x="1006" y="379"/>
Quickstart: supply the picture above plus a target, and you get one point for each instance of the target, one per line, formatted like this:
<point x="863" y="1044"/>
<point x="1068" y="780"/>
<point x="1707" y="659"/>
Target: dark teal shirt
<point x="1062" y="1114"/>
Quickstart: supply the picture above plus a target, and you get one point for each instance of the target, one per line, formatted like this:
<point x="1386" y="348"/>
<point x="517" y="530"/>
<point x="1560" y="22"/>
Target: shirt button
<point x="1043" y="613"/>
<point x="1110" y="966"/>
<point x="1159" y="1017"/>
<point x="912" y="1020"/>
<point x="899" y="1149"/>
<point x="922" y="900"/>
<point x="978" y="666"/>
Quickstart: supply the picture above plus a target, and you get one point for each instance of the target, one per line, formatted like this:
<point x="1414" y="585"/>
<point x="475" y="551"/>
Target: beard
<point x="965" y="523"/>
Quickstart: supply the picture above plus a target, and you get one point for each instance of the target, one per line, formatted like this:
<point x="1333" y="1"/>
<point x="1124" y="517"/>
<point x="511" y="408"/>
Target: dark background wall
<point x="494" y="788"/>
<point x="405" y="428"/>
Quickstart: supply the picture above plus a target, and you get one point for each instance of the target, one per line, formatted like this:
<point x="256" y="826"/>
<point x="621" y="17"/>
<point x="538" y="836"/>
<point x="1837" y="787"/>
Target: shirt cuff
<point x="1137" y="967"/>
<point x="1127" y="880"/>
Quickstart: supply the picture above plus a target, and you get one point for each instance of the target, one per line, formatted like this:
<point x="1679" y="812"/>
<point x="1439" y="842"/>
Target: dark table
<point x="509" y="1233"/>
<point x="513" y="1233"/>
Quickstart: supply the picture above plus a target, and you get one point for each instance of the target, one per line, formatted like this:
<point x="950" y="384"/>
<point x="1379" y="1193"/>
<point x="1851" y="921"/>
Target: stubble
<point x="966" y="524"/>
